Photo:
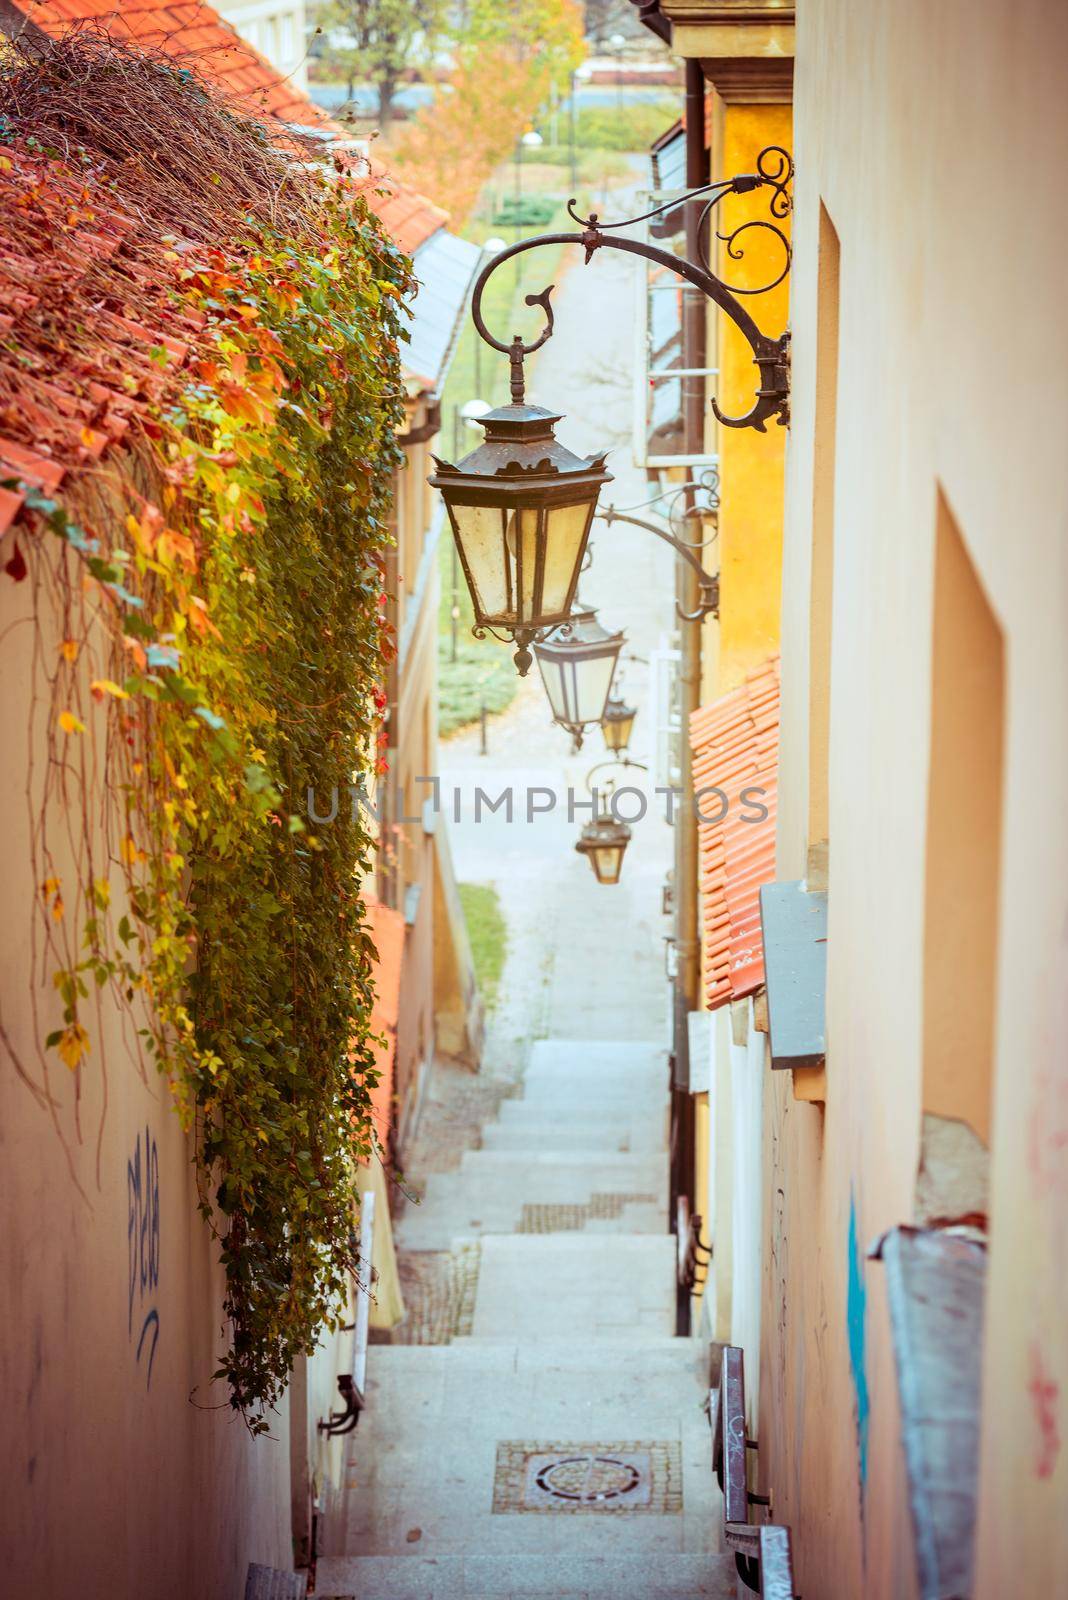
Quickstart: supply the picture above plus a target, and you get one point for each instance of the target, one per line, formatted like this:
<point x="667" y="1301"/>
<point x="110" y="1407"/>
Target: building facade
<point x="111" y="1275"/>
<point x="884" y="1175"/>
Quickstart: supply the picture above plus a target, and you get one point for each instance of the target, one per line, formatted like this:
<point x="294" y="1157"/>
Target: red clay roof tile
<point x="198" y="37"/>
<point x="735" y="743"/>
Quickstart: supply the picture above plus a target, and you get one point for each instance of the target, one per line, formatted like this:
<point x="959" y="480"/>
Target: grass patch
<point x="488" y="933"/>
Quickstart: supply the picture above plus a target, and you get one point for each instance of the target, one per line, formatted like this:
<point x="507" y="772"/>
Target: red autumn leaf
<point x="16" y="568"/>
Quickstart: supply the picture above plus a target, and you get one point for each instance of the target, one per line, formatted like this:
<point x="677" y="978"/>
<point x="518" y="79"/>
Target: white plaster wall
<point x="278" y="29"/>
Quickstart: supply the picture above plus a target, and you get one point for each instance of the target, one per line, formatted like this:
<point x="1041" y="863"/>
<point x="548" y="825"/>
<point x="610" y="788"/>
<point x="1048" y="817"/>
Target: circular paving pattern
<point x="588" y="1478"/>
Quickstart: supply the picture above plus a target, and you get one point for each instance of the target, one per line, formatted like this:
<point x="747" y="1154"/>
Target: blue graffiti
<point x="142" y="1248"/>
<point x="856" y="1310"/>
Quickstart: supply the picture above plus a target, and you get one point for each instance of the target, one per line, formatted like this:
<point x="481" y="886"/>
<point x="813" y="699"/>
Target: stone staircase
<point x="560" y="1448"/>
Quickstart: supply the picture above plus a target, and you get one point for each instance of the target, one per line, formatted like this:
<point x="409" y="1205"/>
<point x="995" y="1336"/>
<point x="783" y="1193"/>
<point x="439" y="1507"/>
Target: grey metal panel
<point x="445" y="267"/>
<point x="776" y="1563"/>
<point x="732" y="1413"/>
<point x="794" y="924"/>
<point x="270" y="1583"/>
<point x="936" y="1286"/>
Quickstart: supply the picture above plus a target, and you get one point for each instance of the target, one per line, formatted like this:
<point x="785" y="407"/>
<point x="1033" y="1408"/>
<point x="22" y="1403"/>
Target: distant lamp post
<point x="604" y="843"/>
<point x="577" y="664"/>
<point x="604" y="840"/>
<point x="473" y="411"/>
<point x="520" y="506"/>
<point x="617" y="724"/>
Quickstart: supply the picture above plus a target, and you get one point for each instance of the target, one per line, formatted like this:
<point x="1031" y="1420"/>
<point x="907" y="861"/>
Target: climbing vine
<point x="219" y="583"/>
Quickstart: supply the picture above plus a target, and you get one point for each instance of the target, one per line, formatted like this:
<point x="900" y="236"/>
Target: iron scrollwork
<point x="774" y="171"/>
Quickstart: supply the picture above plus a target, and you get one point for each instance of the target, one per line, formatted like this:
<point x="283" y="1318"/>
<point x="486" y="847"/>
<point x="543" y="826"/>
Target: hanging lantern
<point x="520" y="506"/>
<point x="617" y="725"/>
<point x="577" y="664"/>
<point x="603" y="843"/>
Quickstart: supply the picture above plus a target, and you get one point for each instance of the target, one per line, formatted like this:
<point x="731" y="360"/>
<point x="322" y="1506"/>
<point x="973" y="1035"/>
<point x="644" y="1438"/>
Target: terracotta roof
<point x="84" y="368"/>
<point x="735" y="743"/>
<point x="196" y="35"/>
<point x="387" y="930"/>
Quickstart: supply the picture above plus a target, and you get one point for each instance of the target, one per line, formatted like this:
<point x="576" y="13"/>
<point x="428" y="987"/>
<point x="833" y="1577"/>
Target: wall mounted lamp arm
<point x="774" y="170"/>
<point x="709" y="597"/>
<point x="618" y="761"/>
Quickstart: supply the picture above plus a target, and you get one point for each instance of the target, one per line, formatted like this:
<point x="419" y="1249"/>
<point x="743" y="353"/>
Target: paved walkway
<point x="541" y="1435"/>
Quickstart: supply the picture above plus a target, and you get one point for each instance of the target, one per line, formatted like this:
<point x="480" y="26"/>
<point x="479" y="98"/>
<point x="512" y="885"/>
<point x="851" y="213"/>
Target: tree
<point x="509" y="56"/>
<point x="386" y="38"/>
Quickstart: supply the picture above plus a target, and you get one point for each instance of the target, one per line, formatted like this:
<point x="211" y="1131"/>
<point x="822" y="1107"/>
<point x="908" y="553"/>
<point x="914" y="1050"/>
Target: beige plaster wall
<point x="122" y="1477"/>
<point x="937" y="138"/>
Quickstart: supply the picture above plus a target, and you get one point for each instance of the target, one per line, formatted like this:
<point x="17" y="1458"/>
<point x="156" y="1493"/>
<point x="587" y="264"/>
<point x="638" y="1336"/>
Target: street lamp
<point x="520" y="506"/>
<point x="577" y="664"/>
<point x="603" y="843"/>
<point x="604" y="840"/>
<point x="617" y="725"/>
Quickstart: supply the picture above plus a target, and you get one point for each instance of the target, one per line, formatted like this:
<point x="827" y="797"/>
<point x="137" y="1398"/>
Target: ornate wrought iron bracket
<point x="686" y="502"/>
<point x="771" y="355"/>
<point x="613" y="761"/>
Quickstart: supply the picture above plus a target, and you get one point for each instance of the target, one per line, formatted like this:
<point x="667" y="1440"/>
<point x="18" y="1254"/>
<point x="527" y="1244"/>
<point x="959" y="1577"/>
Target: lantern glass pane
<point x="566" y="530"/>
<point x="591" y="681"/>
<point x="553" y="677"/>
<point x="545" y="556"/>
<point x="479" y="535"/>
<point x="608" y="863"/>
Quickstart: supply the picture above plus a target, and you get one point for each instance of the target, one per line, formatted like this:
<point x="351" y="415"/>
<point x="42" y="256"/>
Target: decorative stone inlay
<point x="553" y="1217"/>
<point x="439" y="1289"/>
<point x="571" y="1479"/>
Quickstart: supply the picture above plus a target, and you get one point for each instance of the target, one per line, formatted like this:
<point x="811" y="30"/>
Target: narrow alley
<point x="545" y="1433"/>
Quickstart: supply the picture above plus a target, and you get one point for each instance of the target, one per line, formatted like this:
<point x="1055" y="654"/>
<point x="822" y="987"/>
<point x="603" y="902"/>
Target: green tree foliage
<point x="388" y="37"/>
<point x="506" y="59"/>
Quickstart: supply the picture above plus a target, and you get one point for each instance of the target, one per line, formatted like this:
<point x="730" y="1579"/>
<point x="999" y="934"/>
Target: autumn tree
<point x="376" y="41"/>
<point x="507" y="58"/>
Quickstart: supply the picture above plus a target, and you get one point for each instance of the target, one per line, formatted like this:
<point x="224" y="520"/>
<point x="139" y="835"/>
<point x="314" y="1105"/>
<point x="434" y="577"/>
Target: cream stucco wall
<point x="122" y="1476"/>
<point x="936" y="137"/>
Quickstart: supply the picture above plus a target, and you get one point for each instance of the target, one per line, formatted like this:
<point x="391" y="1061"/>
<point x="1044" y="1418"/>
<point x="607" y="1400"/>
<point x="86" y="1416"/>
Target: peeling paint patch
<point x="856" y="1311"/>
<point x="1045" y="1401"/>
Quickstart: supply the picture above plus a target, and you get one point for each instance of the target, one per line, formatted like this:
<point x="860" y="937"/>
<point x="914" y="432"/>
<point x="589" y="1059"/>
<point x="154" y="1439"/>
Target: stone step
<point x="597" y="1164"/>
<point x="533" y="1134"/>
<point x="591" y="1114"/>
<point x="577" y="1088"/>
<point x="656" y="1575"/>
<point x="535" y="1286"/>
<point x="608" y="1055"/>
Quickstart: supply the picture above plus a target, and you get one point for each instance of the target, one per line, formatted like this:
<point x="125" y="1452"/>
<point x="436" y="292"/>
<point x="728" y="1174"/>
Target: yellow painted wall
<point x="751" y="464"/>
<point x="751" y="482"/>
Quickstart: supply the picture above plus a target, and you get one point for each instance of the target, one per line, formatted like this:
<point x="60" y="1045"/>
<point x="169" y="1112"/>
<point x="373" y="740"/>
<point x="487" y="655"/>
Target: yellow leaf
<point x="102" y="686"/>
<point x="102" y="890"/>
<point x="70" y="723"/>
<point x="73" y="1044"/>
<point x="49" y="886"/>
<point x="69" y="649"/>
<point x="129" y="851"/>
<point x="57" y="908"/>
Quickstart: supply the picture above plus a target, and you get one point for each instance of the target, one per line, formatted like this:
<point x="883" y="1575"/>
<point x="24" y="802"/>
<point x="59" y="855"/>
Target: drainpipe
<point x="687" y="945"/>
